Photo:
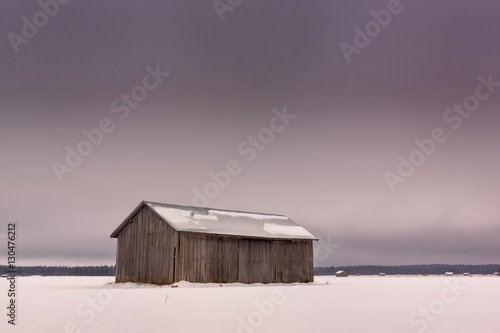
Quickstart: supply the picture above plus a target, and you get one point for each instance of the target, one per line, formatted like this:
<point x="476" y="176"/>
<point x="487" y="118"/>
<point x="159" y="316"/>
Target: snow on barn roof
<point x="224" y="222"/>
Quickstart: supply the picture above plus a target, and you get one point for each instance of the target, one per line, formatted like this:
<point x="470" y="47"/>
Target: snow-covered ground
<point x="354" y="304"/>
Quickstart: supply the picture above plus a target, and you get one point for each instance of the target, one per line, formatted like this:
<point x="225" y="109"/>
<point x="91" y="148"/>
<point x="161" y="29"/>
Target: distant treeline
<point x="62" y="270"/>
<point x="351" y="270"/>
<point x="409" y="269"/>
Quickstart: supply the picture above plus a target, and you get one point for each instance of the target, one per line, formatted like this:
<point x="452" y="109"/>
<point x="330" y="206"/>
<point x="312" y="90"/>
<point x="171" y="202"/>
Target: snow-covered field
<point x="354" y="304"/>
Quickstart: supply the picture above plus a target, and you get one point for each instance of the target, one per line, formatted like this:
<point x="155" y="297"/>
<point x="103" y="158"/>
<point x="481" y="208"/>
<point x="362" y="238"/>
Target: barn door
<point x="177" y="250"/>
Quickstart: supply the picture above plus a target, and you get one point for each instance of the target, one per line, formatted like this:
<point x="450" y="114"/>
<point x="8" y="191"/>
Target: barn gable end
<point x="144" y="250"/>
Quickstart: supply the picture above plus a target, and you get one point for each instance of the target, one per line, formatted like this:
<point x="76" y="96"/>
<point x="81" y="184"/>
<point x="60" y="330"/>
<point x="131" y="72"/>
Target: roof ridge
<point x="212" y="208"/>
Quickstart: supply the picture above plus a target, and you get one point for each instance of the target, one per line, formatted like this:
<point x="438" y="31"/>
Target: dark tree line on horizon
<point x="62" y="270"/>
<point x="434" y="269"/>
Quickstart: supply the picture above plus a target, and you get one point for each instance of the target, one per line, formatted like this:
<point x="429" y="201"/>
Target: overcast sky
<point x="350" y="105"/>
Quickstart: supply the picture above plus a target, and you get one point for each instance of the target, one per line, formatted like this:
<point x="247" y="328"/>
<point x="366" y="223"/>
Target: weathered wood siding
<point x="212" y="258"/>
<point x="145" y="250"/>
<point x="209" y="258"/>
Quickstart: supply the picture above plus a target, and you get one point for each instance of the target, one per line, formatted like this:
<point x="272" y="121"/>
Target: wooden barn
<point x="162" y="244"/>
<point x="341" y="274"/>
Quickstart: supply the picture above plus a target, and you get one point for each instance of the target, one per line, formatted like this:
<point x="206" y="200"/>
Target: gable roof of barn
<point x="223" y="222"/>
